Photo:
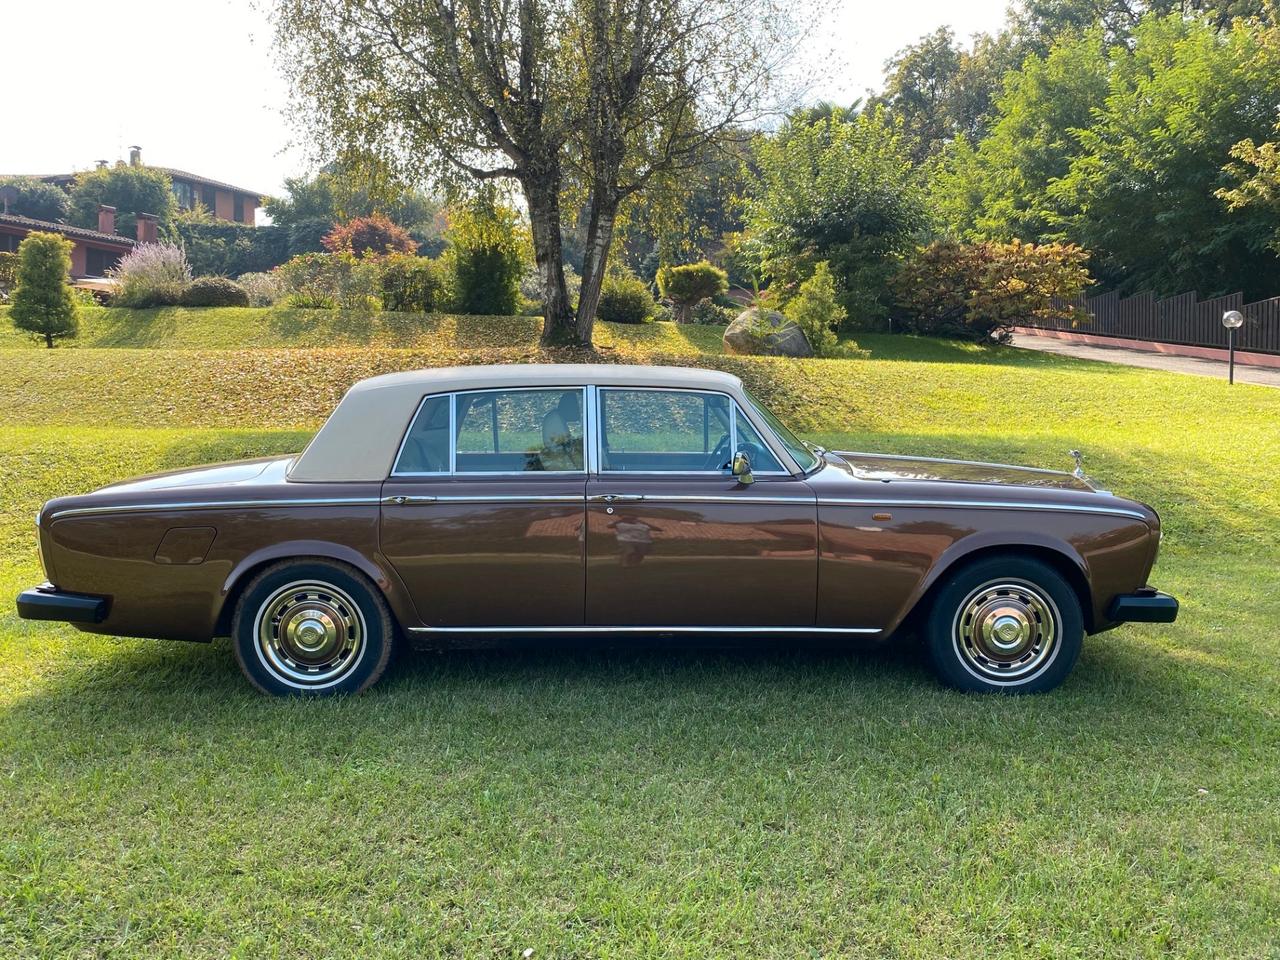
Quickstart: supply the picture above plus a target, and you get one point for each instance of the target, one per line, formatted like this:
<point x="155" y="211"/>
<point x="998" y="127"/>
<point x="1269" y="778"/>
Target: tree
<point x="689" y="284"/>
<point x="815" y="310"/>
<point x="609" y="96"/>
<point x="130" y="189"/>
<point x="485" y="257"/>
<point x="36" y="199"/>
<point x="843" y="191"/>
<point x="42" y="303"/>
<point x="1255" y="173"/>
<point x="369" y="236"/>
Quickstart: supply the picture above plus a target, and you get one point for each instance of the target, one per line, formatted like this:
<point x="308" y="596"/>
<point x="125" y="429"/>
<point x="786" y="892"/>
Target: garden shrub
<point x="151" y="275"/>
<point x="215" y="292"/>
<point x="42" y="301"/>
<point x="373" y="236"/>
<point x="981" y="291"/>
<point x="485" y="258"/>
<point x="263" y="289"/>
<point x="220" y="248"/>
<point x="328" y="280"/>
<point x="690" y="283"/>
<point x="410" y="284"/>
<point x="625" y="299"/>
<point x="816" y="311"/>
<point x="710" y="312"/>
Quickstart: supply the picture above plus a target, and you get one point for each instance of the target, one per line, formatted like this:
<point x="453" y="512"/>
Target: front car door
<point x="673" y="540"/>
<point x="483" y="514"/>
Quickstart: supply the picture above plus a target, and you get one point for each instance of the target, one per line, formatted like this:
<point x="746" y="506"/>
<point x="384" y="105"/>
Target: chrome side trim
<point x="399" y="501"/>
<point x="631" y="629"/>
<point x="489" y="498"/>
<point x="967" y="463"/>
<point x="213" y="505"/>
<point x="982" y="505"/>
<point x="699" y="498"/>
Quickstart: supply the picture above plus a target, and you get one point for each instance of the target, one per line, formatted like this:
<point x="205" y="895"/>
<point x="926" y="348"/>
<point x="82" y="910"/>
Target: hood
<point x="887" y="467"/>
<point x="261" y="470"/>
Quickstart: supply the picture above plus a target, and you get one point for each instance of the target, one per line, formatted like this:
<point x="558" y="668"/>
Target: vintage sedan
<point x="595" y="499"/>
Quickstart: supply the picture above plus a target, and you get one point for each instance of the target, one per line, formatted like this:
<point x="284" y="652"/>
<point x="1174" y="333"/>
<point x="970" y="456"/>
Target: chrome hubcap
<point x="1006" y="630"/>
<point x="310" y="634"/>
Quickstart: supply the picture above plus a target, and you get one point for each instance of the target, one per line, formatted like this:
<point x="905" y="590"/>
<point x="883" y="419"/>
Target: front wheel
<point x="1005" y="624"/>
<point x="312" y="627"/>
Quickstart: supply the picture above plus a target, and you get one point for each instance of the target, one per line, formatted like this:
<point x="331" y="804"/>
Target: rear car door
<point x="483" y="514"/>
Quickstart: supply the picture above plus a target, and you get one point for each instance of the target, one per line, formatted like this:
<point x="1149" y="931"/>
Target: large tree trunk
<point x="543" y="197"/>
<point x="595" y="259"/>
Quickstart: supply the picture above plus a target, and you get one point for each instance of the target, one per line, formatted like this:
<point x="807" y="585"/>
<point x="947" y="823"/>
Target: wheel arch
<point x="379" y="572"/>
<point x="1059" y="556"/>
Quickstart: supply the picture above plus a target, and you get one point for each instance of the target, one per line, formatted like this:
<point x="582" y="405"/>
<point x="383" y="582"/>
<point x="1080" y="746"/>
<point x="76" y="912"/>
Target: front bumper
<point x="47" y="602"/>
<point x="1144" y="606"/>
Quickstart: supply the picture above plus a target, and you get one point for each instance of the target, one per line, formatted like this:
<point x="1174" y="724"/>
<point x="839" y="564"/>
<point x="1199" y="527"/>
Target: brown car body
<point x="853" y="545"/>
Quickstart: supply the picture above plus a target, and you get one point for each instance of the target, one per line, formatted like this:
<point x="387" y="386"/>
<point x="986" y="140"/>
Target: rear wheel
<point x="1004" y="624"/>
<point x="312" y="628"/>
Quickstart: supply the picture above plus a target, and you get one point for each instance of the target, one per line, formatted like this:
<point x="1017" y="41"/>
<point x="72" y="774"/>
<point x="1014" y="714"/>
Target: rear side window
<point x="426" y="447"/>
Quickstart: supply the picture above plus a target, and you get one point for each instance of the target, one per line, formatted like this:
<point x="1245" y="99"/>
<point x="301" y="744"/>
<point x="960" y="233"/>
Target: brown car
<point x="529" y="500"/>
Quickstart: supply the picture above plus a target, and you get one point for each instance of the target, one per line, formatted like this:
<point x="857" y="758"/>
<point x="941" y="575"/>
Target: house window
<point x="209" y="197"/>
<point x="98" y="262"/>
<point x="185" y="194"/>
<point x="239" y="211"/>
<point x="9" y="243"/>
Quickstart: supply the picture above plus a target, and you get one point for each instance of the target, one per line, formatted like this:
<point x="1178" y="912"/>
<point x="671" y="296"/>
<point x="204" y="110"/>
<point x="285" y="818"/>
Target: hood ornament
<point x="1078" y="472"/>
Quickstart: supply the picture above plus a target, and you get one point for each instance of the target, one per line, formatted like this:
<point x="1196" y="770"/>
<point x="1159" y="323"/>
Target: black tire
<point x="1004" y="624"/>
<point x="312" y="628"/>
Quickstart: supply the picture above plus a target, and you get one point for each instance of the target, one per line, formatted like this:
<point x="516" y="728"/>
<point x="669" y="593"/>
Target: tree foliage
<point x="842" y="191"/>
<point x="1255" y="173"/>
<point x="36" y="199"/>
<point x="42" y="302"/>
<point x="816" y="311"/>
<point x="131" y="190"/>
<point x="689" y="284"/>
<point x="980" y="291"/>
<point x="485" y="257"/>
<point x="372" y="236"/>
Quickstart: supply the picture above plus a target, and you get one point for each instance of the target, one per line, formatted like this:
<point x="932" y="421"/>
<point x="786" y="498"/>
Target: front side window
<point x="799" y="452"/>
<point x="517" y="431"/>
<point x="665" y="431"/>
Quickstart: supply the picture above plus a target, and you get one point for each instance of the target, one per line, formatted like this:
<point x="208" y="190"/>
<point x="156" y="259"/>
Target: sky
<point x="193" y="83"/>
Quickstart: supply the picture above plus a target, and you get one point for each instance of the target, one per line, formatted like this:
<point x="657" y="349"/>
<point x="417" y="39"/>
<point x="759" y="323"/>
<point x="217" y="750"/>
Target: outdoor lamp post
<point x="1232" y="320"/>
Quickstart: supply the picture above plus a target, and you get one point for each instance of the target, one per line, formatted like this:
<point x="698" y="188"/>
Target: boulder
<point x="765" y="333"/>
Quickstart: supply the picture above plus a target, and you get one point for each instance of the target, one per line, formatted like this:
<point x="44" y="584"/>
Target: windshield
<point x="795" y="446"/>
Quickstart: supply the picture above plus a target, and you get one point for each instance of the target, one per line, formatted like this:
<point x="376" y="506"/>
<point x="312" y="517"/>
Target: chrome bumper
<point x="47" y="602"/>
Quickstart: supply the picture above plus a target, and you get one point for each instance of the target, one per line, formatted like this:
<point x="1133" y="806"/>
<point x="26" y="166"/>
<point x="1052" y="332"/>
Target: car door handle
<point x="401" y="501"/>
<point x="615" y="497"/>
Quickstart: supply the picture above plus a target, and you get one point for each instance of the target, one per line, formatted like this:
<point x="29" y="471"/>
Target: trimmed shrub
<point x="625" y="299"/>
<point x="690" y="283"/>
<point x="214" y="292"/>
<point x="485" y="258"/>
<point x="410" y="284"/>
<point x="218" y="248"/>
<point x="329" y="280"/>
<point x="815" y="310"/>
<point x="42" y="302"/>
<point x="374" y="236"/>
<point x="981" y="291"/>
<point x="151" y="275"/>
<point x="263" y="289"/>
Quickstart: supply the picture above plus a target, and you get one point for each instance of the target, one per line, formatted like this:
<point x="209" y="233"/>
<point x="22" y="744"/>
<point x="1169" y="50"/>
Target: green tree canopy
<point x="36" y="199"/>
<point x="130" y="189"/>
<point x="42" y="302"/>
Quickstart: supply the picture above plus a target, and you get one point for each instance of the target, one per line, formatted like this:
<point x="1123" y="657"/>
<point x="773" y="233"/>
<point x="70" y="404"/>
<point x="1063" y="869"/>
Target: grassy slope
<point x="632" y="800"/>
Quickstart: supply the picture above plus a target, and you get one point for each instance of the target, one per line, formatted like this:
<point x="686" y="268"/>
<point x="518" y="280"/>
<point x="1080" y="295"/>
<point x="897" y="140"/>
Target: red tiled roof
<point x="82" y="233"/>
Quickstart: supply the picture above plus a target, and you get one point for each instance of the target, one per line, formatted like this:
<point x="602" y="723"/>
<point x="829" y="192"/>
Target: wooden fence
<point x="1181" y="319"/>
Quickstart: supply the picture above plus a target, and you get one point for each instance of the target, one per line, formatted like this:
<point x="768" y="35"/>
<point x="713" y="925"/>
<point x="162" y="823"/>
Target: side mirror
<point x="742" y="468"/>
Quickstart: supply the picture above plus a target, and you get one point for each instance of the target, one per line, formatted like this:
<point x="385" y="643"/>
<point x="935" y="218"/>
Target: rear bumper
<point x="46" y="602"/>
<point x="1144" y="606"/>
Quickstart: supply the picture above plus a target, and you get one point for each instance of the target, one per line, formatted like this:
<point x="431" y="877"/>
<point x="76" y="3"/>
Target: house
<point x="224" y="201"/>
<point x="94" y="252"/>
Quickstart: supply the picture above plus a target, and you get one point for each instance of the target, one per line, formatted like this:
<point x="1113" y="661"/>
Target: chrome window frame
<point x="735" y="410"/>
<point x="453" y="435"/>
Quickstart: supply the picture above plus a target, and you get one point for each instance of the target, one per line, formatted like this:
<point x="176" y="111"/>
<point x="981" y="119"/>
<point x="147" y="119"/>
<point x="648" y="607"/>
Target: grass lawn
<point x="630" y="799"/>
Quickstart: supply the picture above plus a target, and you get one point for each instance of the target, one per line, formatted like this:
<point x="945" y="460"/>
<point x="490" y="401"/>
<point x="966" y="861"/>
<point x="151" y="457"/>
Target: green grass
<point x="636" y="800"/>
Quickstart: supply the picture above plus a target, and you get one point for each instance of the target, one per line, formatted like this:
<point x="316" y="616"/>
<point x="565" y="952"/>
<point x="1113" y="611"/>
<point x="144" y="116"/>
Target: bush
<point x="42" y="301"/>
<point x="215" y="292"/>
<point x="374" y="236"/>
<point x="8" y="274"/>
<point x="690" y="283"/>
<point x="980" y="291"/>
<point x="223" y="249"/>
<point x="712" y="313"/>
<point x="329" y="280"/>
<point x="485" y="258"/>
<point x="37" y="199"/>
<point x="625" y="299"/>
<point x="263" y="289"/>
<point x="815" y="310"/>
<point x="410" y="284"/>
<point x="151" y="275"/>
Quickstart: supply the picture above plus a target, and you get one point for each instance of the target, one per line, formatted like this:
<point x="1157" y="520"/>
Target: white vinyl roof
<point x="361" y="437"/>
